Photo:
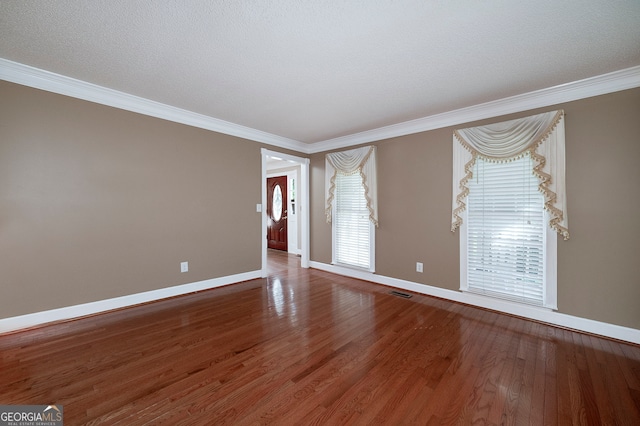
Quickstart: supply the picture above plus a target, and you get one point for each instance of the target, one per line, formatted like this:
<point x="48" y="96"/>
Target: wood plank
<point x="304" y="346"/>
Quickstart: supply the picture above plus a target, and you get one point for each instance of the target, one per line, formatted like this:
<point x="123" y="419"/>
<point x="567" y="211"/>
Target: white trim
<point x="464" y="260"/>
<point x="616" y="81"/>
<point x="357" y="273"/>
<point x="56" y="83"/>
<point x="530" y="312"/>
<point x="76" y="311"/>
<point x="599" y="85"/>
<point x="263" y="215"/>
<point x="551" y="265"/>
<point x="303" y="212"/>
<point x="293" y="242"/>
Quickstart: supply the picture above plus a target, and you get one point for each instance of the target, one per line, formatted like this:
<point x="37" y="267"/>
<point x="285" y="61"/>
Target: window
<point x="509" y="201"/>
<point x="506" y="235"/>
<point x="351" y="206"/>
<point x="353" y="232"/>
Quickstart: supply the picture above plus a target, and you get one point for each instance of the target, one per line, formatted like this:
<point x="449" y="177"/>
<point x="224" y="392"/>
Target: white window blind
<point x="506" y="232"/>
<point x="352" y="229"/>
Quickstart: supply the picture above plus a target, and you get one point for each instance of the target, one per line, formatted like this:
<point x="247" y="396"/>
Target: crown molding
<point x="616" y="81"/>
<point x="40" y="79"/>
<point x="15" y="72"/>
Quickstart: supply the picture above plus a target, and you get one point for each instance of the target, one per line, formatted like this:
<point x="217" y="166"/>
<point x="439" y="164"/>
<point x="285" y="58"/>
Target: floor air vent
<point x="401" y="294"/>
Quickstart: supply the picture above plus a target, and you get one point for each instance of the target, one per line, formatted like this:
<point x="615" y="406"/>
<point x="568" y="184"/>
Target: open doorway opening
<point x="282" y="220"/>
<point x="295" y="203"/>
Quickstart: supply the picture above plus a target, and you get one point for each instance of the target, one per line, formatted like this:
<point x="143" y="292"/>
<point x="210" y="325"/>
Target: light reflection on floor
<point x="282" y="298"/>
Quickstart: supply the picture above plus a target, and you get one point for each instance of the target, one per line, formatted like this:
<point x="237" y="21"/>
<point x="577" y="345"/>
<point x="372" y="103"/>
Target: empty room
<point x="324" y="213"/>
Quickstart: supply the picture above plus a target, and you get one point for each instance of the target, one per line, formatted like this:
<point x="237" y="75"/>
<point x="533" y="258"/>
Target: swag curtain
<point x="361" y="161"/>
<point x="540" y="136"/>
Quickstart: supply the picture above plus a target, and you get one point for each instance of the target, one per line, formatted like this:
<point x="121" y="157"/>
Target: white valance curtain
<point x="359" y="160"/>
<point x="540" y="136"/>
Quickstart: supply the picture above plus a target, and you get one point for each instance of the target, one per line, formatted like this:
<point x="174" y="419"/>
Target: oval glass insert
<point x="277" y="203"/>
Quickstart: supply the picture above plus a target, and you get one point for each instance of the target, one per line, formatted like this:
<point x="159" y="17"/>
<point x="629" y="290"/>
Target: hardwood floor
<point x="308" y="347"/>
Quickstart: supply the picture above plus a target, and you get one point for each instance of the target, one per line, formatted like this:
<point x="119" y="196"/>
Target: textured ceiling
<point x="318" y="70"/>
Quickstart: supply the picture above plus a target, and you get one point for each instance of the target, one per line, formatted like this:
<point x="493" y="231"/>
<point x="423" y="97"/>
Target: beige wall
<point x="97" y="202"/>
<point x="598" y="268"/>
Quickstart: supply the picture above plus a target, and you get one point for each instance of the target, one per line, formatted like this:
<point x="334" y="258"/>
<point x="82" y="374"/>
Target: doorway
<point x="297" y="192"/>
<point x="277" y="213"/>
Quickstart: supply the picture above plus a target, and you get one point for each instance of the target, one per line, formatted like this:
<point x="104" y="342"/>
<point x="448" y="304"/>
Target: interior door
<point x="277" y="213"/>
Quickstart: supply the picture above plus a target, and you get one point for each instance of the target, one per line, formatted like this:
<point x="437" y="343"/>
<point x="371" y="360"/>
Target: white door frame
<point x="303" y="212"/>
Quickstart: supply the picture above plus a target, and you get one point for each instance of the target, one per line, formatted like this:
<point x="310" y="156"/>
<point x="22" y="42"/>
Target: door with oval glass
<point x="277" y="213"/>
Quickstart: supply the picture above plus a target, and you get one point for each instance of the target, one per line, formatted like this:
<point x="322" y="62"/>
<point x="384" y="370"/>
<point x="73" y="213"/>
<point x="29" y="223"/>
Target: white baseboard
<point x="538" y="314"/>
<point x="70" y="312"/>
<point x="531" y="312"/>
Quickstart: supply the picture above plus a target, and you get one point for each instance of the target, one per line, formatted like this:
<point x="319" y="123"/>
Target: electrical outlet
<point x="419" y="267"/>
<point x="184" y="266"/>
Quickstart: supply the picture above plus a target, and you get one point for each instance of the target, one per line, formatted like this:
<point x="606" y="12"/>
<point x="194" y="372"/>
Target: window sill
<point x="505" y="300"/>
<point x="353" y="268"/>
